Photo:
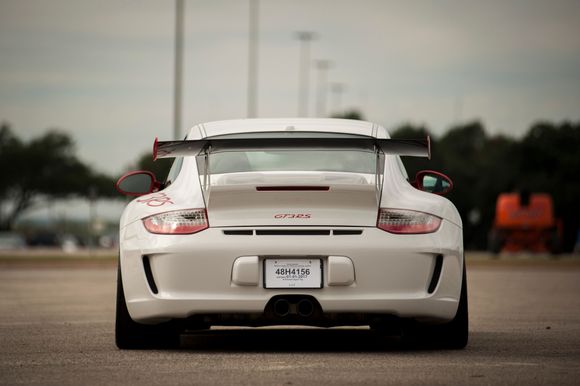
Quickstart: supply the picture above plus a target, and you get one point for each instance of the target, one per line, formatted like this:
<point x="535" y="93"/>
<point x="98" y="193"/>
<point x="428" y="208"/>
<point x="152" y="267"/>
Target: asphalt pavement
<point x="56" y="327"/>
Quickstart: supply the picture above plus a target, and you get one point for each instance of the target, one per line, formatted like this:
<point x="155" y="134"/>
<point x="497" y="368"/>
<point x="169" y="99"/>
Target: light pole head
<point x="337" y="87"/>
<point x="323" y="64"/>
<point x="305" y="35"/>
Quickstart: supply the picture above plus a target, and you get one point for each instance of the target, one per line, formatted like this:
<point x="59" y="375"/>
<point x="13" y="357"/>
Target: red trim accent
<point x="291" y="188"/>
<point x="419" y="185"/>
<point x="129" y="174"/>
<point x="155" y="148"/>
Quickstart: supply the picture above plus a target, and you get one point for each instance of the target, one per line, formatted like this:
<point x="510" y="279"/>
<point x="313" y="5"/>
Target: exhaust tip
<point x="305" y="308"/>
<point x="281" y="308"/>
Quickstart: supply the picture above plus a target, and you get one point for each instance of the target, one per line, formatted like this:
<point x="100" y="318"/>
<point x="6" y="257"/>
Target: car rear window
<point x="354" y="161"/>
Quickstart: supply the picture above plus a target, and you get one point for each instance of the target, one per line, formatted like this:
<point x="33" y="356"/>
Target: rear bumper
<point x="195" y="275"/>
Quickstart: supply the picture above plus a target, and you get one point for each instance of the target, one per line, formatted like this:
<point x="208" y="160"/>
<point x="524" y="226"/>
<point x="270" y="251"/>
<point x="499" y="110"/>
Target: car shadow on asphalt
<point x="290" y="340"/>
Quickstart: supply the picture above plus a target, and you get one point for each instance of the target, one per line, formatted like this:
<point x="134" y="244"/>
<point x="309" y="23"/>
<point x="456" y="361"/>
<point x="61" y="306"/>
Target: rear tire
<point x="132" y="335"/>
<point x="451" y="335"/>
<point x="455" y="334"/>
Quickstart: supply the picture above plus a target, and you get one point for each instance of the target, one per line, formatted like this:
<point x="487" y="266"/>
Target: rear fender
<point x="398" y="193"/>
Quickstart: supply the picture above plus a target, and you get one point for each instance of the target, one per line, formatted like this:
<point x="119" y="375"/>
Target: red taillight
<point x="407" y="221"/>
<point x="178" y="222"/>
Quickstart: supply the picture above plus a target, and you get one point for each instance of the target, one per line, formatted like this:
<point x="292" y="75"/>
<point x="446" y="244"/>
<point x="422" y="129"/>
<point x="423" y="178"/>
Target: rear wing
<point x="291" y="140"/>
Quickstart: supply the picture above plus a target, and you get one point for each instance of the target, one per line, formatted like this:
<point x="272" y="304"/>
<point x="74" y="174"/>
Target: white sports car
<point x="290" y="222"/>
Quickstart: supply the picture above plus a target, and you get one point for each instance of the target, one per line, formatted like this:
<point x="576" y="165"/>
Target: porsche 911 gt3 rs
<point x="290" y="222"/>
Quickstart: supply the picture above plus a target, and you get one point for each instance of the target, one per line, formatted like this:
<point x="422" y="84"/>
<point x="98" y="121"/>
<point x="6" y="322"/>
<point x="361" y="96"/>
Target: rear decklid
<point x="292" y="199"/>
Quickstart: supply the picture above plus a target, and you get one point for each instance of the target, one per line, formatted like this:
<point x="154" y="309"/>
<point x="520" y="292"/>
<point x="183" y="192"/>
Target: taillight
<point x="178" y="222"/>
<point x="407" y="221"/>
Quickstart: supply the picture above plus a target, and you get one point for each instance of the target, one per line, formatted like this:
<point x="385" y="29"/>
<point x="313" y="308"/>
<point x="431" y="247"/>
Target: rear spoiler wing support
<point x="206" y="175"/>
<point x="379" y="174"/>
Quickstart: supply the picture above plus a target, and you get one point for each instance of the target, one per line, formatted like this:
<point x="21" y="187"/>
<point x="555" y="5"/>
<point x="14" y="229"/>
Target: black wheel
<point x="132" y="335"/>
<point x="455" y="334"/>
<point x="451" y="335"/>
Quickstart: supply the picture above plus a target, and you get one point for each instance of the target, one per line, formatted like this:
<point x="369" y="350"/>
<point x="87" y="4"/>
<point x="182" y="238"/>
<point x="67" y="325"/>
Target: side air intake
<point x="149" y="275"/>
<point x="436" y="274"/>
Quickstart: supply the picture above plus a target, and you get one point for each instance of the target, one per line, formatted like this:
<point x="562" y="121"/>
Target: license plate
<point x="292" y="273"/>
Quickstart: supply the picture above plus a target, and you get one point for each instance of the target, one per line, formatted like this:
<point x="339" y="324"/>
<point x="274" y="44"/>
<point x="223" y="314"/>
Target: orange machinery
<point x="524" y="222"/>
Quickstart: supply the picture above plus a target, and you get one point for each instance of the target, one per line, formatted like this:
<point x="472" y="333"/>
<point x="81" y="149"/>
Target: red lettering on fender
<point x="157" y="200"/>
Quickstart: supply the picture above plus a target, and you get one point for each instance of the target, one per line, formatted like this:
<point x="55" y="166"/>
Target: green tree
<point x="414" y="164"/>
<point x="159" y="167"/>
<point x="349" y="114"/>
<point x="44" y="167"/>
<point x="550" y="163"/>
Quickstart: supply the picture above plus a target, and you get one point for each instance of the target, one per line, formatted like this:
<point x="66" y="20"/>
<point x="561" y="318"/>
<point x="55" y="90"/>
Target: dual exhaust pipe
<point x="283" y="307"/>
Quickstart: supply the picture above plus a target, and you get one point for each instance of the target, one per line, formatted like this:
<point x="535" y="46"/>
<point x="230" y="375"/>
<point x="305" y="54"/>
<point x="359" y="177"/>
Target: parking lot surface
<point x="56" y="327"/>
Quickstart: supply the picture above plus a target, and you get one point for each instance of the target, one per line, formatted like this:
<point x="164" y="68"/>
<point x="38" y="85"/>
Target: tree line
<point x="546" y="159"/>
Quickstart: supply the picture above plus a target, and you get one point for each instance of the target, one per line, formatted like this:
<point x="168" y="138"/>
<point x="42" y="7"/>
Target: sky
<point x="103" y="70"/>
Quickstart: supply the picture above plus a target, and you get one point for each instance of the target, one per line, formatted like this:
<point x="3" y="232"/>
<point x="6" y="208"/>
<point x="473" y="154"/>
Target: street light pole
<point x="178" y="71"/>
<point x="305" y="38"/>
<point x="322" y="66"/>
<point x="253" y="61"/>
<point x="336" y="89"/>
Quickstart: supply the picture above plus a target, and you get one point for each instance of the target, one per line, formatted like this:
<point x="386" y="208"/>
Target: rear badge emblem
<point x="292" y="215"/>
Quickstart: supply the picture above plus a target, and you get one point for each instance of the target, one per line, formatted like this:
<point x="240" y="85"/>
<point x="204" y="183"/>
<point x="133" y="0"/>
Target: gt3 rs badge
<point x="292" y="215"/>
<point x="158" y="199"/>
